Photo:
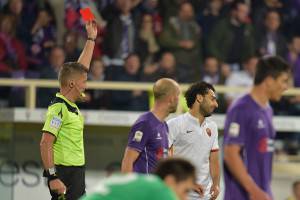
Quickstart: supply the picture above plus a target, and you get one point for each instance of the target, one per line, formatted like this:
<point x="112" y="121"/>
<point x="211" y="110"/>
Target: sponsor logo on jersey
<point x="265" y="145"/>
<point x="160" y="153"/>
<point x="138" y="135"/>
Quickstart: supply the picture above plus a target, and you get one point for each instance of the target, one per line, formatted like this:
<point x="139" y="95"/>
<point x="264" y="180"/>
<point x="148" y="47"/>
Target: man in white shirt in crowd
<point x="195" y="137"/>
<point x="243" y="78"/>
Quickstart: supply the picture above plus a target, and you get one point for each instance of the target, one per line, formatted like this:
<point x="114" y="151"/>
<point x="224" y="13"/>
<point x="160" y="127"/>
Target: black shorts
<point x="74" y="179"/>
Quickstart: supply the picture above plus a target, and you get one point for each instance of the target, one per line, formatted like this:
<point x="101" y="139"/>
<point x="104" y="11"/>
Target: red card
<point x="86" y="14"/>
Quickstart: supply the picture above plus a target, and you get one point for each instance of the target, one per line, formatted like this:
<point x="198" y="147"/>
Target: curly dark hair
<point x="201" y="88"/>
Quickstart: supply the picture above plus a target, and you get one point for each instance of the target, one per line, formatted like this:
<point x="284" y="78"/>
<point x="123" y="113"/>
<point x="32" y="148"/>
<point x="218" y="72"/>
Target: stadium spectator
<point x="211" y="71"/>
<point x="181" y="36"/>
<point x="50" y="71"/>
<point x="95" y="98"/>
<point x="124" y="40"/>
<point x="249" y="134"/>
<point x="150" y="7"/>
<point x="12" y="51"/>
<point x="70" y="46"/>
<point x="270" y="40"/>
<point x="166" y="68"/>
<point x="43" y="34"/>
<point x="208" y="18"/>
<point x="232" y="39"/>
<point x="242" y="78"/>
<point x="150" y="46"/>
<point x="148" y="137"/>
<point x="128" y="100"/>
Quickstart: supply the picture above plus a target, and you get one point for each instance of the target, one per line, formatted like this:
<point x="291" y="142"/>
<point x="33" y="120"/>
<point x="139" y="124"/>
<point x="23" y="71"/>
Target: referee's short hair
<point x="201" y="88"/>
<point x="180" y="168"/>
<point x="270" y="66"/>
<point x="68" y="70"/>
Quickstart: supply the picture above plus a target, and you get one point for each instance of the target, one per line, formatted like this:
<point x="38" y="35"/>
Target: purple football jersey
<point x="250" y="126"/>
<point x="149" y="136"/>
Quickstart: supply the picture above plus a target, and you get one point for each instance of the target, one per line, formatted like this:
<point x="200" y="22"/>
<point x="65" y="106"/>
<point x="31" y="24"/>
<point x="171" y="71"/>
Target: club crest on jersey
<point x="138" y="135"/>
<point x="208" y="131"/>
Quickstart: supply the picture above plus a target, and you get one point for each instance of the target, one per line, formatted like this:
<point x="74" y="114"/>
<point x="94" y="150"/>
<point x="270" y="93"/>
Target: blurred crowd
<point x="218" y="41"/>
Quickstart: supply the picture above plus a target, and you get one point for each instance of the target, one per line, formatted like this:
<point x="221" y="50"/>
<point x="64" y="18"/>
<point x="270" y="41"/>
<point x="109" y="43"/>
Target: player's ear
<point x="269" y="81"/>
<point x="71" y="83"/>
<point x="199" y="98"/>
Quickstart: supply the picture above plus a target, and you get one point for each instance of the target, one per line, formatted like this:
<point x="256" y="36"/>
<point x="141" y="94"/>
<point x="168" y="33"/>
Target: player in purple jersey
<point x="148" y="137"/>
<point x="249" y="134"/>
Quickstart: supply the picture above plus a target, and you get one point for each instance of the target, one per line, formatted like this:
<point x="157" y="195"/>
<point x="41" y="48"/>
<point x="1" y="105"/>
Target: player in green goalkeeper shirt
<point x="174" y="179"/>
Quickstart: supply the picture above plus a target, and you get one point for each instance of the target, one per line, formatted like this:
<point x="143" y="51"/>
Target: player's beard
<point x="204" y="109"/>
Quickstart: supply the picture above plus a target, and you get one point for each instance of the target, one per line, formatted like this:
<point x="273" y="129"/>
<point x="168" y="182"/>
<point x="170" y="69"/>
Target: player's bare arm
<point x="46" y="148"/>
<point x="130" y="156"/>
<point x="215" y="174"/>
<point x="237" y="168"/>
<point x="87" y="53"/>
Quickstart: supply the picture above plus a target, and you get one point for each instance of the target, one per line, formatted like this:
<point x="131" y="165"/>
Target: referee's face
<point x="80" y="82"/>
<point x="209" y="104"/>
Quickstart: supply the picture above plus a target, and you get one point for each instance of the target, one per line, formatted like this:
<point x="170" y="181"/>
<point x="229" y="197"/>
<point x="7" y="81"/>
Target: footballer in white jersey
<point x="195" y="137"/>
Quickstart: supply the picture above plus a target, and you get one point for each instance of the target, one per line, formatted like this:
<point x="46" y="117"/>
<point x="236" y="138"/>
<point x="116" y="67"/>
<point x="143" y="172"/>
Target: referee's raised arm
<point x="87" y="53"/>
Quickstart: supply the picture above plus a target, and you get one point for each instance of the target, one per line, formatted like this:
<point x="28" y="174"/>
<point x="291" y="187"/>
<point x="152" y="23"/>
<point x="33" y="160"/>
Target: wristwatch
<point x="50" y="173"/>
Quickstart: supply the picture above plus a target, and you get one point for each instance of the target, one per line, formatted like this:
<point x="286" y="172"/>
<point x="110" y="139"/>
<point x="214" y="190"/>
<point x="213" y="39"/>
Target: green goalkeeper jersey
<point x="131" y="187"/>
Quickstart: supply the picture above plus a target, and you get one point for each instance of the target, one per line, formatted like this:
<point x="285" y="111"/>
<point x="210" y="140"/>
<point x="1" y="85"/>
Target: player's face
<point x="209" y="104"/>
<point x="297" y="191"/>
<point x="278" y="86"/>
<point x="174" y="100"/>
<point x="182" y="188"/>
<point x="80" y="85"/>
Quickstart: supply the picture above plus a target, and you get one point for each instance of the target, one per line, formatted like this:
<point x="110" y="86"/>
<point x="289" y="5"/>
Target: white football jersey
<point x="194" y="142"/>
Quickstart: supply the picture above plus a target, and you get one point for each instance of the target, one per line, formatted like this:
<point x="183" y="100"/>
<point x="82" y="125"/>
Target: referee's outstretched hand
<point x="57" y="186"/>
<point x="91" y="29"/>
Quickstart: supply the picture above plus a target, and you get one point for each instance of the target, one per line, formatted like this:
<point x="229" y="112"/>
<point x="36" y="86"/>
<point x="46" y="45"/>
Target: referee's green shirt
<point x="65" y="122"/>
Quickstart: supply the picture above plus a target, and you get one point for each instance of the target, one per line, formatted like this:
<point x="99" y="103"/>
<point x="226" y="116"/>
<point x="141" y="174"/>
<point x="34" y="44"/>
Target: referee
<point x="61" y="146"/>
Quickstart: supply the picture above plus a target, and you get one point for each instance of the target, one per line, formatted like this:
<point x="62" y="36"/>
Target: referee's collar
<point x="195" y="120"/>
<point x="64" y="98"/>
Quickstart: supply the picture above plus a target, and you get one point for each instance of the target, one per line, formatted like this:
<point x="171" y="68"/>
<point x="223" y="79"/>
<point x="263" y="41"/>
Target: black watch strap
<point x="92" y="39"/>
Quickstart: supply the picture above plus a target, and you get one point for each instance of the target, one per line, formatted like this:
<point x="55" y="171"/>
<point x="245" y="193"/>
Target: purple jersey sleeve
<point x="235" y="127"/>
<point x="139" y="135"/>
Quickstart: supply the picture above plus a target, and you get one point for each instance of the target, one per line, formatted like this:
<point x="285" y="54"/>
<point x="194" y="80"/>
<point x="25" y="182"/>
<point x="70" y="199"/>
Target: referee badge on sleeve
<point x="138" y="136"/>
<point x="234" y="129"/>
<point x="55" y="122"/>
